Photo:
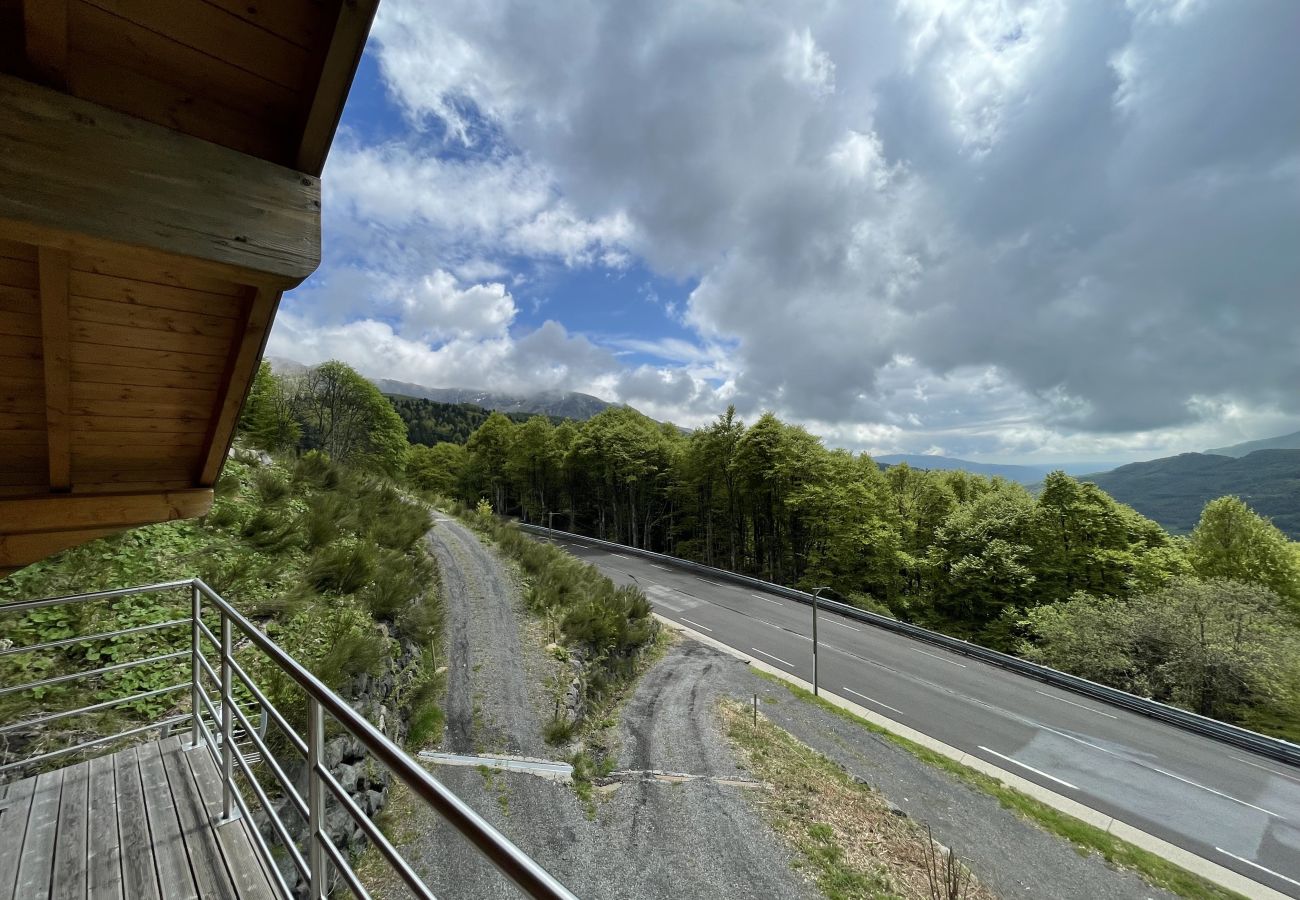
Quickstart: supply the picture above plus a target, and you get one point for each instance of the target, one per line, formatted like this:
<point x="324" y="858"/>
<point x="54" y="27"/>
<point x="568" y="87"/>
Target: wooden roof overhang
<point x="159" y="191"/>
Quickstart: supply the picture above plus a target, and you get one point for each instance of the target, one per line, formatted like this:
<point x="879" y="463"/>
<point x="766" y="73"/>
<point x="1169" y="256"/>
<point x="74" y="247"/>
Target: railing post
<point x="315" y="799"/>
<point x="195" y="709"/>
<point x="228" y="810"/>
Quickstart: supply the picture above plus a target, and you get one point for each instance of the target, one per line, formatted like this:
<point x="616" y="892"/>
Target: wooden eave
<point x="159" y="190"/>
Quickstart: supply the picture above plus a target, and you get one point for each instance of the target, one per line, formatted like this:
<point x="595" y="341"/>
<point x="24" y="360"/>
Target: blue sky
<point x="1002" y="231"/>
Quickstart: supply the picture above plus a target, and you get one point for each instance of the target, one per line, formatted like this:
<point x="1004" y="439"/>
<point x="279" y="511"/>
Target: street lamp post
<point x="816" y="593"/>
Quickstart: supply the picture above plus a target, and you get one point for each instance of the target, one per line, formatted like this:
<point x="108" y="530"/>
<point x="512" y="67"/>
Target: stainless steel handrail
<point x="219" y="740"/>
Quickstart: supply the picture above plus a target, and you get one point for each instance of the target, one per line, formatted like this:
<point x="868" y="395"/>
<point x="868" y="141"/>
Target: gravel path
<point x="638" y="839"/>
<point x="493" y="692"/>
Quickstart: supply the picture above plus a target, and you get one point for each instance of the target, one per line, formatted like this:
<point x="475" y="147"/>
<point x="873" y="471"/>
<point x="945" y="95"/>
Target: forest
<point x="1069" y="577"/>
<point x="429" y="422"/>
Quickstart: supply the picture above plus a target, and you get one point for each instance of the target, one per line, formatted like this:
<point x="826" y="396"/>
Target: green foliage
<point x="439" y="469"/>
<point x="343" y="415"/>
<point x="267" y="418"/>
<point x="1216" y="647"/>
<point x="430" y="423"/>
<point x="1232" y="542"/>
<point x="327" y="558"/>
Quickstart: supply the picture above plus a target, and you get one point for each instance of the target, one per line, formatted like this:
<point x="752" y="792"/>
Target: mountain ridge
<point x="1175" y="489"/>
<point x="1023" y="474"/>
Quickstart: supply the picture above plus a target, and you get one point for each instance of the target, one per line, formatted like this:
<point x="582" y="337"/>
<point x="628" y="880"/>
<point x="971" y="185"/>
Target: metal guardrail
<point x="229" y="720"/>
<point x="1273" y="748"/>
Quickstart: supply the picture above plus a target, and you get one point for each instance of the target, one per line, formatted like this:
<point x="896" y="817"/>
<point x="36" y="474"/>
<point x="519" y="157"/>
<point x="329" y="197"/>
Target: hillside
<point x="560" y="404"/>
<point x="1175" y="489"/>
<point x="1027" y="475"/>
<point x="1283" y="442"/>
<point x="429" y="422"/>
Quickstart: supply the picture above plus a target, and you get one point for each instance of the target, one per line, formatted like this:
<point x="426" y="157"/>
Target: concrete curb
<point x="1185" y="859"/>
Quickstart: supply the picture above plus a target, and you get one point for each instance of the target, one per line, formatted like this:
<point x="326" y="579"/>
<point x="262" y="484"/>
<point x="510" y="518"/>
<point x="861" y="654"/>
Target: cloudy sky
<point x="1048" y="230"/>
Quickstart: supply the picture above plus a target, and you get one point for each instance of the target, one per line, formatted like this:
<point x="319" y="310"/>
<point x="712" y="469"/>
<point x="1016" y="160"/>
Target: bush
<point x="272" y="488"/>
<point x="342" y="568"/>
<point x="271" y="531"/>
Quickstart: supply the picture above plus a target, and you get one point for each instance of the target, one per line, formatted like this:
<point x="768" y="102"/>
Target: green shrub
<point x="271" y="531"/>
<point x="342" y="568"/>
<point x="272" y="488"/>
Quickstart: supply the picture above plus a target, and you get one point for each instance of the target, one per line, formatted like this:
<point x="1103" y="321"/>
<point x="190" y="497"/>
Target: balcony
<point x="223" y="796"/>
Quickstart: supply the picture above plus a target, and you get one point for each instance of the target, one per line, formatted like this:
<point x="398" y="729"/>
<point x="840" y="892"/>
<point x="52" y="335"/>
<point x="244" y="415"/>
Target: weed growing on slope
<point x="850" y="841"/>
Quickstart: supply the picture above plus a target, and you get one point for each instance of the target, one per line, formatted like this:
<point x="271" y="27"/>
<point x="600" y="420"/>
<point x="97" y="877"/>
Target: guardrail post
<point x="228" y="810"/>
<point x="195" y="709"/>
<point x="315" y="799"/>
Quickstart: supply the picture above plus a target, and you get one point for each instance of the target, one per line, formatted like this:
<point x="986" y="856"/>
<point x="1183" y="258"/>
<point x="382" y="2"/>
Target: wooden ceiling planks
<point x="141" y="266"/>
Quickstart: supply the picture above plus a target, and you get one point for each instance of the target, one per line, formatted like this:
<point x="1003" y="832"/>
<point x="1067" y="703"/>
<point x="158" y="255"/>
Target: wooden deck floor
<point x="141" y="823"/>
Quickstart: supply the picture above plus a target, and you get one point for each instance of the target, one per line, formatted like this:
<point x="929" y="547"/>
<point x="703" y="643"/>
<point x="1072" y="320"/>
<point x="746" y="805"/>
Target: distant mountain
<point x="1285" y="442"/>
<point x="561" y="404"/>
<point x="557" y="404"/>
<point x="429" y="422"/>
<point x="1174" y="490"/>
<point x="1027" y="475"/>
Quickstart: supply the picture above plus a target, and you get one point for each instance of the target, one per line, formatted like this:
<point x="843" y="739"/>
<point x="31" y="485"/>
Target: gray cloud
<point x="1061" y="227"/>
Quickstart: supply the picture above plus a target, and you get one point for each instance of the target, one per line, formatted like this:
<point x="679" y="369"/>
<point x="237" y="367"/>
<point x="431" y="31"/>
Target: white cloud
<point x="1018" y="227"/>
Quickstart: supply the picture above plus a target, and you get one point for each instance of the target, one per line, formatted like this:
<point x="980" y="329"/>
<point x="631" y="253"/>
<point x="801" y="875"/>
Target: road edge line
<point x="1185" y="859"/>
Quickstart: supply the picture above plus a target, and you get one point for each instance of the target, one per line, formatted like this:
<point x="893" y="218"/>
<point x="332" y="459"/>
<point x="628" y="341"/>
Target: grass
<point x="1157" y="871"/>
<point x="845" y="833"/>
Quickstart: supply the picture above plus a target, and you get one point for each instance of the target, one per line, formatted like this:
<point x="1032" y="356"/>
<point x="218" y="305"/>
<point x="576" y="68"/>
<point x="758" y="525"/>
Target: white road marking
<point x="714" y="583"/>
<point x="872" y="700"/>
<point x="620" y="556"/>
<point x="1258" y="866"/>
<point x="1217" y="793"/>
<point x="782" y="628"/>
<point x="657" y="566"/>
<point x="1080" y="705"/>
<point x="842" y="625"/>
<point x="1030" y="768"/>
<point x="768" y="599"/>
<point x="770" y="656"/>
<point x="948" y="661"/>
<point x="1265" y="768"/>
<point x="697" y="625"/>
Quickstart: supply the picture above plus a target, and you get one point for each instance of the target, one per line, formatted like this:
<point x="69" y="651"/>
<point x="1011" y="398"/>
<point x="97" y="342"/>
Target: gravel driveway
<point x="639" y="838"/>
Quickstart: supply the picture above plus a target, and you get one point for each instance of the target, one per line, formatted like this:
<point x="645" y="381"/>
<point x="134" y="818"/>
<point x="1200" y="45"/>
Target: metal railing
<point x="232" y="725"/>
<point x="1273" y="748"/>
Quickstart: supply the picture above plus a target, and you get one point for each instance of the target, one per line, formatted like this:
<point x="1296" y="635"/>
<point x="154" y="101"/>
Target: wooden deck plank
<point x="105" y="856"/>
<point x="139" y="877"/>
<point x="200" y="840"/>
<point x="242" y="860"/>
<point x="14" y="809"/>
<point x="175" y="880"/>
<point x="69" y="877"/>
<point x="36" y="861"/>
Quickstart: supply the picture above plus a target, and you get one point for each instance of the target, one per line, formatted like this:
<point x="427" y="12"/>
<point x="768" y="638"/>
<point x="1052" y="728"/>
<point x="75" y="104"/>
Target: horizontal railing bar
<point x="209" y="671"/>
<point x="1278" y="749"/>
<point x="395" y="859"/>
<point x="298" y="743"/>
<point x="345" y="871"/>
<point x="54" y="717"/>
<point x="290" y="791"/>
<point x="86" y="745"/>
<point x="49" y="645"/>
<point x="271" y="814"/>
<point x="91" y="673"/>
<point x="525" y="872"/>
<point x="212" y="711"/>
<point x="25" y="605"/>
<point x="267" y="856"/>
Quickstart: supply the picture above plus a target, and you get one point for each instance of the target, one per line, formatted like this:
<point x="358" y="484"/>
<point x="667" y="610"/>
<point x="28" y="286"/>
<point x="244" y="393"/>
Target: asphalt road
<point x="1227" y="805"/>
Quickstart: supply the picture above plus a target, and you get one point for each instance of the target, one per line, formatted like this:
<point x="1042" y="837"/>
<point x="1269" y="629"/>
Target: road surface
<point x="1226" y="805"/>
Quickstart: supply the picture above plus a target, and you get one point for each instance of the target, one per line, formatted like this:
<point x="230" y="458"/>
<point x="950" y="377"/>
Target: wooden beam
<point x="45" y="33"/>
<point x="337" y="69"/>
<point x="80" y="512"/>
<point x="74" y="174"/>
<point x="56" y="347"/>
<point x="240" y="371"/>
